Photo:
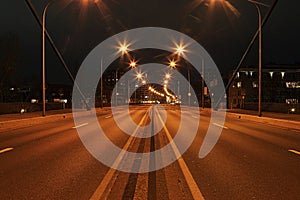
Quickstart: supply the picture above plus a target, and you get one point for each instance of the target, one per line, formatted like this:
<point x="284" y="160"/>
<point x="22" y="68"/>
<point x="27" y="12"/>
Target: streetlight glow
<point x="172" y="64"/>
<point x="133" y="64"/>
<point x="123" y="48"/>
<point x="168" y="76"/>
<point x="139" y="75"/>
<point x="180" y="50"/>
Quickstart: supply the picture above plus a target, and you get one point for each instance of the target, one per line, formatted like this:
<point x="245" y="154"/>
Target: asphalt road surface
<point x="250" y="161"/>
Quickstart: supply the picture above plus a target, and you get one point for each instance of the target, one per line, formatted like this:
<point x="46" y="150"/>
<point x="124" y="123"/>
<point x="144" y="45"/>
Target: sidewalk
<point x="19" y="116"/>
<point x="290" y="117"/>
<point x="289" y="121"/>
<point x="15" y="121"/>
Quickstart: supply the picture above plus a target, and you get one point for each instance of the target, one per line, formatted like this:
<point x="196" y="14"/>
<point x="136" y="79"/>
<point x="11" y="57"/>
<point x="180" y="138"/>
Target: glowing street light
<point x="167" y="76"/>
<point x="180" y="50"/>
<point x="172" y="64"/>
<point x="133" y="64"/>
<point x="123" y="48"/>
<point x="139" y="75"/>
<point x="257" y="5"/>
<point x="44" y="52"/>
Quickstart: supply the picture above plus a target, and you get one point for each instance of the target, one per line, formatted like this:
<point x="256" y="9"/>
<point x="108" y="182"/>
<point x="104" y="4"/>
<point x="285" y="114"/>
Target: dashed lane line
<point x="225" y="127"/>
<point x="294" y="151"/>
<point x="6" y="150"/>
<point x="196" y="193"/>
<point x="80" y="125"/>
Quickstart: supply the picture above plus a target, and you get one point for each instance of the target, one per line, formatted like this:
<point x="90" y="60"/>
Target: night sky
<point x="224" y="29"/>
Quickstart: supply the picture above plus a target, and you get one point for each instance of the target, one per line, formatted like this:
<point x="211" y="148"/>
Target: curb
<point x="290" y="124"/>
<point x="19" y="123"/>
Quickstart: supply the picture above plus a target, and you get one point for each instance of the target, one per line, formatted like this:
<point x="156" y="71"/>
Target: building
<point x="280" y="88"/>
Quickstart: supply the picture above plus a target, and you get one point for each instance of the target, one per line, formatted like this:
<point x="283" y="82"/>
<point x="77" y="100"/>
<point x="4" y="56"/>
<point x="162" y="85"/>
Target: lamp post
<point x="44" y="32"/>
<point x="43" y="59"/>
<point x="256" y="4"/>
<point x="189" y="93"/>
<point x="132" y="65"/>
<point x="116" y="81"/>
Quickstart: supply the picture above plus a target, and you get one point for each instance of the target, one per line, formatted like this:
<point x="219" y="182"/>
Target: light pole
<point x="116" y="81"/>
<point x="202" y="83"/>
<point x="189" y="93"/>
<point x="256" y="4"/>
<point x="43" y="59"/>
<point x="101" y="84"/>
<point x="132" y="65"/>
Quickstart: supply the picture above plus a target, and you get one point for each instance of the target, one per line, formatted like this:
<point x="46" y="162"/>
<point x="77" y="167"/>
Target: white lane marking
<point x="196" y="193"/>
<point x="108" y="181"/>
<point x="220" y="126"/>
<point x="109" y="116"/>
<point x="294" y="151"/>
<point x="80" y="125"/>
<point x="6" y="149"/>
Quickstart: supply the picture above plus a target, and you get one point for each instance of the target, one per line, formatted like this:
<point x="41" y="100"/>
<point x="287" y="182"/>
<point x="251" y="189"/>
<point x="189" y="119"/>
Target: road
<point x="250" y="161"/>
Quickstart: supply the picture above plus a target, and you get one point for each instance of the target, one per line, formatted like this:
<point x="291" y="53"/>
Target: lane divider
<point x="294" y="151"/>
<point x="196" y="193"/>
<point x="225" y="127"/>
<point x="6" y="150"/>
<point x="80" y="125"/>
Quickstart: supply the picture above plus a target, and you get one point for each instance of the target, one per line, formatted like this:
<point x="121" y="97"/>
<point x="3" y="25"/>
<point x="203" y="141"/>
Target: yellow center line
<point x="196" y="193"/>
<point x="6" y="149"/>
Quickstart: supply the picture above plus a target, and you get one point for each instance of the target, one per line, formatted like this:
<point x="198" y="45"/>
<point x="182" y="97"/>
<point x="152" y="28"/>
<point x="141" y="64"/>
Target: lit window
<point x="293" y="84"/>
<point x="255" y="85"/>
<point x="239" y="84"/>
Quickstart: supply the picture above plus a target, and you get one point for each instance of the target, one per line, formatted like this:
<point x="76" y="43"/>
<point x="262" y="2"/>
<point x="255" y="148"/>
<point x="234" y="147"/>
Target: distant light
<point x="180" y="50"/>
<point x="172" y="64"/>
<point x="139" y="75"/>
<point x="133" y="64"/>
<point x="64" y="100"/>
<point x="123" y="48"/>
<point x="168" y="76"/>
<point x="12" y="89"/>
<point x="34" y="101"/>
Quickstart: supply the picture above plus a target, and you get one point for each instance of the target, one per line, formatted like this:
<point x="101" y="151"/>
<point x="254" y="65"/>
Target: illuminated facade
<point x="280" y="88"/>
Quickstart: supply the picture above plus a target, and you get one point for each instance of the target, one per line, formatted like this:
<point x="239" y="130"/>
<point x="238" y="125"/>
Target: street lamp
<point x="257" y="4"/>
<point x="167" y="76"/>
<point x="180" y="50"/>
<point x="43" y="59"/>
<point x="172" y="64"/>
<point x="132" y="65"/>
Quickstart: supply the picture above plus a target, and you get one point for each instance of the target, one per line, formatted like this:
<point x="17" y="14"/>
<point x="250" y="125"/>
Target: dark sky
<point x="223" y="28"/>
